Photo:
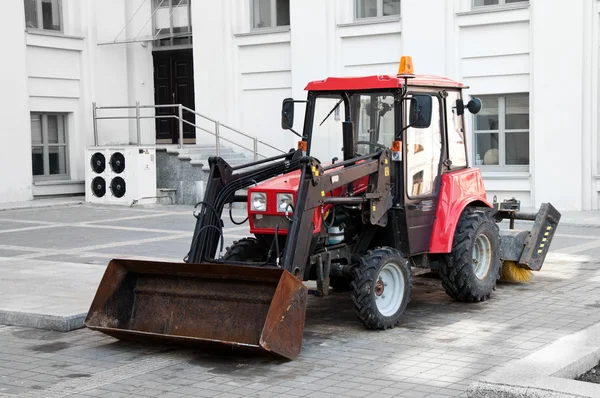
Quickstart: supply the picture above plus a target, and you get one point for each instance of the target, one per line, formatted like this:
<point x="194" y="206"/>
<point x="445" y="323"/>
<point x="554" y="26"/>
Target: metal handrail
<point x="180" y="109"/>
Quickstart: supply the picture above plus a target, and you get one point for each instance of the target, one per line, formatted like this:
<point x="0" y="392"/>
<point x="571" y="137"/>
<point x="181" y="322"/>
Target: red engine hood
<point x="286" y="182"/>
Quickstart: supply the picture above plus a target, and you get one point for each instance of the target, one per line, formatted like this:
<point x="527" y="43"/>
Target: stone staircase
<point x="182" y="173"/>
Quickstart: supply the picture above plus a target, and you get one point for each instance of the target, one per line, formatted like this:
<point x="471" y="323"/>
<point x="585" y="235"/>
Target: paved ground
<point x="439" y="349"/>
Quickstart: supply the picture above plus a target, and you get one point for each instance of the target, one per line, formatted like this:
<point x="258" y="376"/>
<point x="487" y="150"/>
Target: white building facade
<point x="535" y="65"/>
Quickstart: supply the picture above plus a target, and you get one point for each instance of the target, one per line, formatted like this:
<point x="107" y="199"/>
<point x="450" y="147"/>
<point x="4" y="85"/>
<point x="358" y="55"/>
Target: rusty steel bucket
<point x="232" y="305"/>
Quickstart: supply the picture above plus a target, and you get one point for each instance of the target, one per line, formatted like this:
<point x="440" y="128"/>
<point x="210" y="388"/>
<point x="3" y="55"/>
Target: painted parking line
<point x="22" y="229"/>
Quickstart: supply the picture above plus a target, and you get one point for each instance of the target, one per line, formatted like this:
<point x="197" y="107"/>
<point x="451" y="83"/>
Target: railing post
<point x="180" y="126"/>
<point x="94" y="115"/>
<point x="255" y="148"/>
<point x="137" y="123"/>
<point x="217" y="124"/>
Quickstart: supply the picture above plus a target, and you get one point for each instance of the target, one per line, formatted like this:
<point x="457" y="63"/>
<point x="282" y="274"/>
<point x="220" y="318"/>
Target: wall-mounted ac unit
<point x="121" y="175"/>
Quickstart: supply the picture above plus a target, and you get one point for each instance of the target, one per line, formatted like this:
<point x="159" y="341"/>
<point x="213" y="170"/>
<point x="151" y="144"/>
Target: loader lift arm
<point x="315" y="182"/>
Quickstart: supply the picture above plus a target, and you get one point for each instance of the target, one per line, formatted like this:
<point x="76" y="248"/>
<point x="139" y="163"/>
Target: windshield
<point x="373" y="117"/>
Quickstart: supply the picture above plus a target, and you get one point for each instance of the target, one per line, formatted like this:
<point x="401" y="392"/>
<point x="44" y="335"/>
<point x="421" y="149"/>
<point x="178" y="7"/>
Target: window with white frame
<point x="377" y="8"/>
<point x="43" y="14"/>
<point x="502" y="133"/>
<point x="49" y="145"/>
<point x="270" y="13"/>
<point x="172" y="21"/>
<point x="483" y="3"/>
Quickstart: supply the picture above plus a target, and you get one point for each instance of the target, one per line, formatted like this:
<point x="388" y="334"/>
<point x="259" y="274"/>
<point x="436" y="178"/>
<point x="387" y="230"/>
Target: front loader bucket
<point x="233" y="305"/>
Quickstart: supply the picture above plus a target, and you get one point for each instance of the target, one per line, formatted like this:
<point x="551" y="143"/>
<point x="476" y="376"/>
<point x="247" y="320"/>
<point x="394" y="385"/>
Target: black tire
<point x="366" y="289"/>
<point x="246" y="249"/>
<point x="458" y="272"/>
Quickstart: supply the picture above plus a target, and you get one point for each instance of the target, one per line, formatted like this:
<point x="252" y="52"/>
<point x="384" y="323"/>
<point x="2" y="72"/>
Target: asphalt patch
<point x="51" y="347"/>
<point x="37" y="334"/>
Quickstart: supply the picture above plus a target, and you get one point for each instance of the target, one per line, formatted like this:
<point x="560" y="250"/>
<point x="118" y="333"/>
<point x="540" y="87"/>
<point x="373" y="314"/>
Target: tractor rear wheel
<point x="381" y="288"/>
<point x="246" y="249"/>
<point x="472" y="269"/>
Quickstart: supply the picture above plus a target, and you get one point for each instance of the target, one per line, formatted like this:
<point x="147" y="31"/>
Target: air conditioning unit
<point x="120" y="175"/>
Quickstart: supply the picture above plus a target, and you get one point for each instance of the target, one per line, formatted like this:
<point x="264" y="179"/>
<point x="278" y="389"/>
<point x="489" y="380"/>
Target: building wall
<point x="243" y="74"/>
<point x="66" y="71"/>
<point x="15" y="151"/>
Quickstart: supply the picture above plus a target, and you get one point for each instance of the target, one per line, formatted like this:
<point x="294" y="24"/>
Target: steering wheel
<point x="370" y="143"/>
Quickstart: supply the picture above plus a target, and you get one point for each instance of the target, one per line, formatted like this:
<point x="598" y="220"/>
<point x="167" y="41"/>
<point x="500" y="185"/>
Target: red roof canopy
<point x="379" y="82"/>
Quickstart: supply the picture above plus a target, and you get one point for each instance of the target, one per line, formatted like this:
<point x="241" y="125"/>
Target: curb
<point x="548" y="372"/>
<point x="41" y="321"/>
<point x="30" y="205"/>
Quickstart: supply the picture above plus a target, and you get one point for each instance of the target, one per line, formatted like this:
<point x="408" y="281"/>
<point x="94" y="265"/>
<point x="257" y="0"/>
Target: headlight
<point x="258" y="201"/>
<point x="285" y="202"/>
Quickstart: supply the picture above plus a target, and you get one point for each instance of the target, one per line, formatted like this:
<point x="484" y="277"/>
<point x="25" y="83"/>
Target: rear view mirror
<point x="287" y="114"/>
<point x="420" y="111"/>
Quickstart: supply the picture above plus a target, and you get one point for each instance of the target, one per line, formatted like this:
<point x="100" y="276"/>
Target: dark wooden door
<point x="173" y="84"/>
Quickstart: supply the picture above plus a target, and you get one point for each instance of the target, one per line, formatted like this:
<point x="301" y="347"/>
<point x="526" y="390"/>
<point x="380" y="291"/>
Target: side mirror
<point x="474" y="106"/>
<point x="420" y="111"/>
<point x="287" y="114"/>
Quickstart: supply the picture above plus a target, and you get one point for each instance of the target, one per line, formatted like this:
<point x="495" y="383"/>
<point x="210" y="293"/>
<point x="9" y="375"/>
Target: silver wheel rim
<point x="482" y="256"/>
<point x="389" y="289"/>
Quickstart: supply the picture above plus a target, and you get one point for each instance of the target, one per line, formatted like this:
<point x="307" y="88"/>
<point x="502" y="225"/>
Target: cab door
<point x="423" y="153"/>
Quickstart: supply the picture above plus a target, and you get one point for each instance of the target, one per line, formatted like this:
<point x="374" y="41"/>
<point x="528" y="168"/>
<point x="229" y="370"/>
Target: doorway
<point x="174" y="84"/>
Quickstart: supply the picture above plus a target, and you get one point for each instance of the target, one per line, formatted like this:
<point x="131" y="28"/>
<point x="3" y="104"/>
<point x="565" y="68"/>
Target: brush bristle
<point x="511" y="272"/>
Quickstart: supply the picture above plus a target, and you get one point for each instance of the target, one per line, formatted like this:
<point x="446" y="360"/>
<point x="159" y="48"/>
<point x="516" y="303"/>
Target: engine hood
<point x="286" y="182"/>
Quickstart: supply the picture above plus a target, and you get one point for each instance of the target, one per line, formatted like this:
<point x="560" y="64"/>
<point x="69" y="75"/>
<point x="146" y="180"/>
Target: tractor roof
<point x="379" y="82"/>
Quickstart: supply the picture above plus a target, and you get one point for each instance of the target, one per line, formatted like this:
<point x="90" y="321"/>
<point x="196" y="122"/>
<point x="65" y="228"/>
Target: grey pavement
<point x="440" y="348"/>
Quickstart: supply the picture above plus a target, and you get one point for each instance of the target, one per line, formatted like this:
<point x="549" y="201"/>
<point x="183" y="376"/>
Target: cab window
<point x="423" y="153"/>
<point x="374" y="121"/>
<point x="327" y="138"/>
<point x="457" y="152"/>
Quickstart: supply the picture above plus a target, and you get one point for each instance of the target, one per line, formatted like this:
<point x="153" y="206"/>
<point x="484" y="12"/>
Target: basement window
<point x="49" y="149"/>
<point x="270" y="13"/>
<point x="43" y="14"/>
<point x="501" y="132"/>
<point x="377" y="8"/>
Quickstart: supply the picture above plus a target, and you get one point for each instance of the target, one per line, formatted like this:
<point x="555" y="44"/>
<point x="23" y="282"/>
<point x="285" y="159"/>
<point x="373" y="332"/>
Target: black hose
<point x="218" y="229"/>
<point x="332" y="218"/>
<point x="231" y="217"/>
<point x="207" y="205"/>
<point x="286" y="212"/>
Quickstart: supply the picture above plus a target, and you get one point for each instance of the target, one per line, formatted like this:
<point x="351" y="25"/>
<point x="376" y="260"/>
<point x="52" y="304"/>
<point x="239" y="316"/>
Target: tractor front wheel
<point x="246" y="249"/>
<point x="381" y="288"/>
<point x="471" y="271"/>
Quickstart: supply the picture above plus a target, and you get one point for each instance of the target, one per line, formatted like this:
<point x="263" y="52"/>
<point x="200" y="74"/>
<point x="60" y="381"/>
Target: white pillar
<point x="213" y="45"/>
<point x="15" y="130"/>
<point x="558" y="131"/>
<point x="312" y="43"/>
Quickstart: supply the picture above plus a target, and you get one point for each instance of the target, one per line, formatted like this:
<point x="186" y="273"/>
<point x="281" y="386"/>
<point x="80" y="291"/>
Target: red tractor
<point x="379" y="183"/>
